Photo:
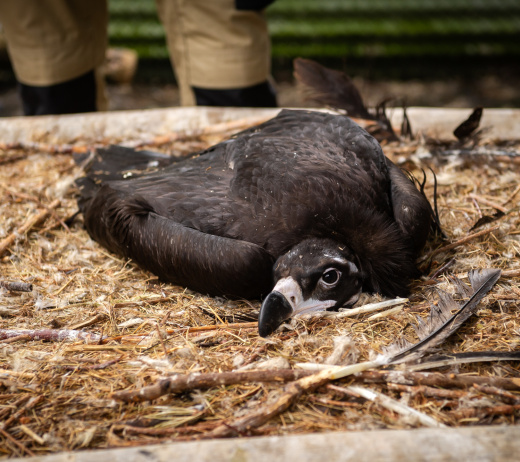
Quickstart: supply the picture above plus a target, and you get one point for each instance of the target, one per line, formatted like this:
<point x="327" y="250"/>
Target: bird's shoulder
<point x="307" y="152"/>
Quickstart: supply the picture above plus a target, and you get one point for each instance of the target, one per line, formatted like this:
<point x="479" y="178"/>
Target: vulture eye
<point x="330" y="277"/>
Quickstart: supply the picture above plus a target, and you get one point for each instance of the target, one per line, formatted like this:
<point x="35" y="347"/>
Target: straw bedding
<point x="122" y="330"/>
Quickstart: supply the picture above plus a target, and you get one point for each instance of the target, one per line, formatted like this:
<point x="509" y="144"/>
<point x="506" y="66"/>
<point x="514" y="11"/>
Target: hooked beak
<point x="275" y="310"/>
<point x="284" y="302"/>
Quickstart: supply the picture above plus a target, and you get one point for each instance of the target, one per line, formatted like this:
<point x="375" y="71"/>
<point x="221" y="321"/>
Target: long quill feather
<point x="434" y="361"/>
<point x="482" y="281"/>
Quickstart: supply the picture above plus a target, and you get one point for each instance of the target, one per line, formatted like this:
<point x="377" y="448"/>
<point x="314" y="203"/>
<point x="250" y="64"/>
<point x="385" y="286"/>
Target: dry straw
<point x="95" y="328"/>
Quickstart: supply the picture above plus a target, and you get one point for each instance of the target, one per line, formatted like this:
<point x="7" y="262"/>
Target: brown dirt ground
<point x="488" y="91"/>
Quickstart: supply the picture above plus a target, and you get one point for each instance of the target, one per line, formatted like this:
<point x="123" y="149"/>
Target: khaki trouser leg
<point x="54" y="41"/>
<point x="214" y="46"/>
<point x="101" y="90"/>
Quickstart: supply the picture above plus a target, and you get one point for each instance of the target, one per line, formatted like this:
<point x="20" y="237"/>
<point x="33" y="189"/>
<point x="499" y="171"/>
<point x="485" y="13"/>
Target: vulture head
<point x="315" y="275"/>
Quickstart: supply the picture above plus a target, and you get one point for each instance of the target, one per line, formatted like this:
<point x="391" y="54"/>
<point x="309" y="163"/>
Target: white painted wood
<point x="143" y="124"/>
<point x="475" y="444"/>
<point x="440" y="122"/>
<point x="120" y="125"/>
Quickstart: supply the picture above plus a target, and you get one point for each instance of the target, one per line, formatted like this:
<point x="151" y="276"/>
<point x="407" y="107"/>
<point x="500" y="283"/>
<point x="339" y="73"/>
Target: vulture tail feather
<point x="331" y="88"/>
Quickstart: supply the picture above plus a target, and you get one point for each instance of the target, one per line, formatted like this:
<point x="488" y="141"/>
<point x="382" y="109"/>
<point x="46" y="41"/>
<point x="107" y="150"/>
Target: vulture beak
<point x="284" y="302"/>
<point x="275" y="310"/>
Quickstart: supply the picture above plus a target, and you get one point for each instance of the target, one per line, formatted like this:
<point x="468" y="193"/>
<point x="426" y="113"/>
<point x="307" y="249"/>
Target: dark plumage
<point x="469" y="126"/>
<point x="306" y="200"/>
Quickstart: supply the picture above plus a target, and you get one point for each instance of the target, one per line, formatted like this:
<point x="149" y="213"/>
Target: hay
<point x="58" y="394"/>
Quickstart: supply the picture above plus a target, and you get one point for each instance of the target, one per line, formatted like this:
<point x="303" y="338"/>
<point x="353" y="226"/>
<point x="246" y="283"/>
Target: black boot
<point x="76" y="95"/>
<point x="261" y="95"/>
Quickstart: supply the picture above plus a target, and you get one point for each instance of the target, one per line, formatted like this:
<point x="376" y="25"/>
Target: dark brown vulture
<point x="303" y="210"/>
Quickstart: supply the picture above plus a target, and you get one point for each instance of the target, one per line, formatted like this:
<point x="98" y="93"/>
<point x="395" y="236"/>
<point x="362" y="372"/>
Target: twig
<point x="422" y="380"/>
<point x="488" y="202"/>
<point x="17" y="374"/>
<point x="315" y="367"/>
<point x="7" y="409"/>
<point x="368" y="308"/>
<point x="332" y="402"/>
<point x="481" y="412"/>
<point x="283" y="400"/>
<point x="161" y="341"/>
<point x="30" y="404"/>
<point x="395" y="406"/>
<point x="150" y="301"/>
<point x="344" y="391"/>
<point x="475" y="203"/>
<point x="49" y="148"/>
<point x="436" y="379"/>
<point x="183" y="383"/>
<point x="12" y="158"/>
<point x="512" y="196"/>
<point x="483" y="151"/>
<point x="28" y="225"/>
<point x="93" y="367"/>
<point x="427" y="391"/>
<point x="17" y="286"/>
<point x="385" y="314"/>
<point x="460" y="242"/>
<point x="40" y="204"/>
<point x="193" y="330"/>
<point x="50" y="335"/>
<point x="31" y="434"/>
<point x="16" y="339"/>
<point x="505" y="395"/>
<point x="507" y="159"/>
<point x="256" y="354"/>
<point x="17" y="443"/>
<point x="89" y="322"/>
<point x="199" y="428"/>
<point x="236" y="325"/>
<point x="510" y="273"/>
<point x="443" y="403"/>
<point x="189" y="330"/>
<point x="8" y="311"/>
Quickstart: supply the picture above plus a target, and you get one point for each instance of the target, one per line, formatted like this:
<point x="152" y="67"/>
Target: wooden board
<point x="475" y="444"/>
<point x="130" y="125"/>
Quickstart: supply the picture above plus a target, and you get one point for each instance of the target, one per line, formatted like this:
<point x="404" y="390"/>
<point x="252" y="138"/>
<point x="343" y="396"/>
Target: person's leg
<point x="221" y="54"/>
<point x="76" y="95"/>
<point x="56" y="48"/>
<point x="260" y="95"/>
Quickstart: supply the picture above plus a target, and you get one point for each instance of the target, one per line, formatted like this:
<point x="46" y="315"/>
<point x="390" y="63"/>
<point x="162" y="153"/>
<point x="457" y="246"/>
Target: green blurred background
<point x="397" y="39"/>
